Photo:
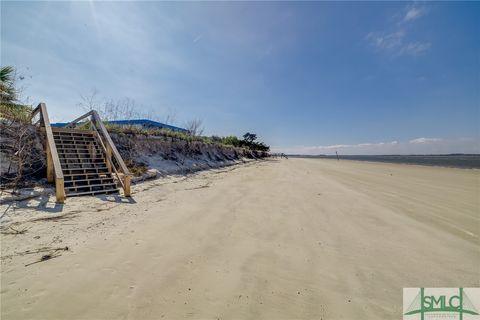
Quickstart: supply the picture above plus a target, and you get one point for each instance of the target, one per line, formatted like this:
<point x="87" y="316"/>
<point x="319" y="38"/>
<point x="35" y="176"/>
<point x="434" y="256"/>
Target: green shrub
<point x="15" y="112"/>
<point x="232" y="141"/>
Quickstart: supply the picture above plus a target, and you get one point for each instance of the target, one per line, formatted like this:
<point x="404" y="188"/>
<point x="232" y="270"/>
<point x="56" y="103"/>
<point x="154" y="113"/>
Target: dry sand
<point x="289" y="239"/>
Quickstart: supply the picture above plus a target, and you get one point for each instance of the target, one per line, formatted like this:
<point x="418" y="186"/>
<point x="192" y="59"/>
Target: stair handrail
<point x="108" y="144"/>
<point x="98" y="123"/>
<point x="108" y="156"/>
<point x="72" y="124"/>
<point x="54" y="168"/>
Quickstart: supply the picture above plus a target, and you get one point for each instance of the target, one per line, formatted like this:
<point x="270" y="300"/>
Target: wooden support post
<point x="109" y="158"/>
<point x="50" y="169"/>
<point x="60" y="190"/>
<point x="54" y="167"/>
<point x="126" y="181"/>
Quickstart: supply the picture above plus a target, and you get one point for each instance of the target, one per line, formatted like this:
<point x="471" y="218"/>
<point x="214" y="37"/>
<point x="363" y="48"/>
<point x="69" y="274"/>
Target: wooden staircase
<point x="84" y="166"/>
<point x="82" y="162"/>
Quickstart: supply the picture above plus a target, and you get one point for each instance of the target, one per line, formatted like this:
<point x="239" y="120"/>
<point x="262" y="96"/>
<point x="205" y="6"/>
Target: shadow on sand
<point x="45" y="204"/>
<point x="116" y="198"/>
<point x="40" y="203"/>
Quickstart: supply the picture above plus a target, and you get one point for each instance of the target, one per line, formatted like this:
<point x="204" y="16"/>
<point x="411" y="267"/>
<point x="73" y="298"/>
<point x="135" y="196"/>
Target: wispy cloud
<point x="386" y="40"/>
<point x="197" y="38"/>
<point x="397" y="42"/>
<point x="413" y="12"/>
<point x="416" y="48"/>
<point x="414" y="146"/>
<point x="424" y="140"/>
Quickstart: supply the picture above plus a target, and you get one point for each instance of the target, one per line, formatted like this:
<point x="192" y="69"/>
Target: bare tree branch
<point x="195" y="127"/>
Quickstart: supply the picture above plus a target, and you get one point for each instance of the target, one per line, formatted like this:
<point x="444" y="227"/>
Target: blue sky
<point x="307" y="77"/>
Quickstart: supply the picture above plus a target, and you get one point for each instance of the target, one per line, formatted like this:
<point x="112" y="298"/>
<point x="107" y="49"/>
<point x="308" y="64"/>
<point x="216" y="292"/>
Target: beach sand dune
<point x="278" y="239"/>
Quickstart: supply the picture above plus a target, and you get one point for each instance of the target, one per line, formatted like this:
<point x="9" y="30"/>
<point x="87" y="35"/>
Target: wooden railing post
<point x="54" y="168"/>
<point x="50" y="170"/>
<point x="126" y="182"/>
<point x="60" y="190"/>
<point x="109" y="157"/>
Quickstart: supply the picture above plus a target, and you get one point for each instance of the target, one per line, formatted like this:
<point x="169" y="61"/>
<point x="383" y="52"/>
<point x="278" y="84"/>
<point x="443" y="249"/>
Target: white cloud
<point x="386" y="41"/>
<point x="413" y="12"/>
<point x="416" y="48"/>
<point x="414" y="146"/>
<point x="424" y="140"/>
<point x="397" y="42"/>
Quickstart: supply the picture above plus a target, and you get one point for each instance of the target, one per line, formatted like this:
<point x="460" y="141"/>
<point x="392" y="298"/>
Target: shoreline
<point x="385" y="159"/>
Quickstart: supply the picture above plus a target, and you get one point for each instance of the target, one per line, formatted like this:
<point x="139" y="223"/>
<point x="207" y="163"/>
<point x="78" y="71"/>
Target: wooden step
<point x="92" y="193"/>
<point x="73" y="136"/>
<point x="76" y="151"/>
<point x="78" y="147"/>
<point x="63" y="131"/>
<point x="76" y="162"/>
<point x="59" y="140"/>
<point x="73" y="142"/>
<point x="79" y="150"/>
<point x="66" y="168"/>
<point x="83" y="163"/>
<point x="84" y="140"/>
<point x="85" y="171"/>
<point x="86" y="182"/>
<point x="104" y="185"/>
<point x="96" y="168"/>
<point x="75" y="176"/>
<point x="80" y="155"/>
<point x="73" y="151"/>
<point x="86" y="158"/>
<point x="72" y="131"/>
<point x="82" y="160"/>
<point x="70" y="166"/>
<point x="92" y="187"/>
<point x="83" y="174"/>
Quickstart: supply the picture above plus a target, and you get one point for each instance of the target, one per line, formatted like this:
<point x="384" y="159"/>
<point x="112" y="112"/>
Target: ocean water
<point x="466" y="161"/>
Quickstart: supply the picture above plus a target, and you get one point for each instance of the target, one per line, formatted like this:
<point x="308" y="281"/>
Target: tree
<point x="19" y="143"/>
<point x="10" y="107"/>
<point x="109" y="110"/>
<point x="8" y="92"/>
<point x="90" y="101"/>
<point x="195" y="127"/>
<point x="231" y="140"/>
<point x="249" y="141"/>
<point x="171" y="117"/>
<point x="22" y="154"/>
<point x="249" y="137"/>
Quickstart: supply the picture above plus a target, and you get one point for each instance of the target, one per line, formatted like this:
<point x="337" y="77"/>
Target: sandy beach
<point x="276" y="239"/>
